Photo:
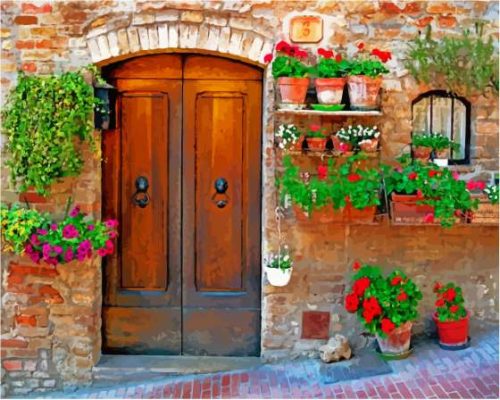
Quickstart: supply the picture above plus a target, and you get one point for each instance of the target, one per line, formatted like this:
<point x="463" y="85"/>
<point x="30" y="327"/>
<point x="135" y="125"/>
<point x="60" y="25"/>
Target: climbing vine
<point x="465" y="64"/>
<point x="44" y="119"/>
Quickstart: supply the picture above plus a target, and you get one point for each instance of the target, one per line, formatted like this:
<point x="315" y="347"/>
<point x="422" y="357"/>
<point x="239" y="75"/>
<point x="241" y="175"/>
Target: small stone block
<point x="315" y="324"/>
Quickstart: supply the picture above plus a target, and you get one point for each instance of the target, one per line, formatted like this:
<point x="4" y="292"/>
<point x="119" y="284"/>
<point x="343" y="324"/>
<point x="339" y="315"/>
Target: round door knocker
<point x="221" y="187"/>
<point x="141" y="197"/>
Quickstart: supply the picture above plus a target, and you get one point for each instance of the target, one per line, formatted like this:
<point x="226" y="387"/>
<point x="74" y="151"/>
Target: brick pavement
<point x="429" y="373"/>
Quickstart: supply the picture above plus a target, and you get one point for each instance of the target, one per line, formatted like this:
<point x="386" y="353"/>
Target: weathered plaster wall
<point x="46" y="37"/>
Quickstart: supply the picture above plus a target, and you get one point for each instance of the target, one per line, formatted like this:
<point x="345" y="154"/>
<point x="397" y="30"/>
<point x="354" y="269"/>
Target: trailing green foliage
<point x="465" y="64"/>
<point x="43" y="119"/>
<point x="17" y="226"/>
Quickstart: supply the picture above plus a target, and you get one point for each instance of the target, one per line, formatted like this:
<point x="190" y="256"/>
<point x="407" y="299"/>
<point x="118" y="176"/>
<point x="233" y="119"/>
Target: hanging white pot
<point x="278" y="276"/>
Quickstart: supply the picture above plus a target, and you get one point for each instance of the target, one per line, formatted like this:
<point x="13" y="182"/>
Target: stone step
<point x="113" y="368"/>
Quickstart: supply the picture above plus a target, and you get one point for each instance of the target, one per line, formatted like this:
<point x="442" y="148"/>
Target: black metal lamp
<point x="104" y="114"/>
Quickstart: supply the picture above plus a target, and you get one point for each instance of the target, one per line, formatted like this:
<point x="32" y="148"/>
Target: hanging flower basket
<point x="279" y="277"/>
<point x="279" y="266"/>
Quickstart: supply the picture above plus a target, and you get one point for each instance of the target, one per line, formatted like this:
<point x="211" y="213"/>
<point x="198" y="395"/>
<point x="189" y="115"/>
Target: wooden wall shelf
<point x="348" y="113"/>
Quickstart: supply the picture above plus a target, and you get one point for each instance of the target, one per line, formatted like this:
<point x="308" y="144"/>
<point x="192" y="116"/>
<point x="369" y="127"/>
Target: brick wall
<point x="46" y="37"/>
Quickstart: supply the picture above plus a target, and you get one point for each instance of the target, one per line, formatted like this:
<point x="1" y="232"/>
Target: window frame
<point x="467" y="105"/>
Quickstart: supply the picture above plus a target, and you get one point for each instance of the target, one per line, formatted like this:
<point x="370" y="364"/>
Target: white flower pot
<point x="442" y="162"/>
<point x="278" y="276"/>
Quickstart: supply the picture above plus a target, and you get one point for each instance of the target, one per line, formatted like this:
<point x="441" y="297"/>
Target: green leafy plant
<point x="492" y="192"/>
<point x="282" y="260"/>
<point x="43" y="119"/>
<point x="17" y="226"/>
<point x="287" y="135"/>
<point x="449" y="302"/>
<point x="369" y="64"/>
<point x="330" y="65"/>
<point x="382" y="303"/>
<point x="288" y="61"/>
<point x="438" y="187"/>
<point x="434" y="140"/>
<point x="465" y="64"/>
<point x="76" y="237"/>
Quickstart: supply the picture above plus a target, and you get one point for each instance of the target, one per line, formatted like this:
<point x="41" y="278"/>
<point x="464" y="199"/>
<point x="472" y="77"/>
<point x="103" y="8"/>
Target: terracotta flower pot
<point x="365" y="215"/>
<point x="298" y="144"/>
<point x="363" y="92"/>
<point x="330" y="90"/>
<point x="422" y="153"/>
<point x="398" y="341"/>
<point x="316" y="143"/>
<point x="453" y="333"/>
<point x="405" y="206"/>
<point x="279" y="277"/>
<point x="369" y="146"/>
<point x="293" y="90"/>
<point x="337" y="144"/>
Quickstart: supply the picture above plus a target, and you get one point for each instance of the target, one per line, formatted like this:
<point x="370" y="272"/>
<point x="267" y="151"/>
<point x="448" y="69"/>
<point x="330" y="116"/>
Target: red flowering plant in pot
<point x="451" y="317"/>
<point x="331" y="71"/>
<point x="385" y="305"/>
<point x="365" y="77"/>
<point x="290" y="71"/>
<point x="316" y="137"/>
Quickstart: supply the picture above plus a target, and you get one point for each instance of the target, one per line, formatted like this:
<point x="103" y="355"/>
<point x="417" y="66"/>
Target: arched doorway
<point x="182" y="174"/>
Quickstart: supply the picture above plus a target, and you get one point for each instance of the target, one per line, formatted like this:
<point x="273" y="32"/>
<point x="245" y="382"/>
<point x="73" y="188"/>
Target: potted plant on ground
<point x="288" y="136"/>
<point x="290" y="72"/>
<point x="331" y="71"/>
<point x="279" y="267"/>
<point x="365" y="77"/>
<point x="422" y="146"/>
<point x="316" y="138"/>
<point x="386" y="306"/>
<point x="451" y="317"/>
<point x="75" y="238"/>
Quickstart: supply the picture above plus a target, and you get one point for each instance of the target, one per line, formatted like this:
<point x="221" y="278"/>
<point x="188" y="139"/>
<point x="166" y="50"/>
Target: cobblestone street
<point x="429" y="373"/>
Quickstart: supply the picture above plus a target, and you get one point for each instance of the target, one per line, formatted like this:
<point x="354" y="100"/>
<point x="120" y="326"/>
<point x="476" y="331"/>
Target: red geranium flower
<point x="338" y="57"/>
<point x="360" y="286"/>
<point x="361" y="46"/>
<point x="268" y="58"/>
<point x="356" y="265"/>
<point x="480" y="185"/>
<point x="420" y="195"/>
<point x="314" y="127"/>
<point x="450" y="294"/>
<point x="429" y="218"/>
<point x="433" y="172"/>
<point x="396" y="280"/>
<point x="402" y="296"/>
<point x="353" y="177"/>
<point x="321" y="51"/>
<point x="283" y="46"/>
<point x="454" y="308"/>
<point x="439" y="303"/>
<point x="412" y="176"/>
<point x="437" y="286"/>
<point x="371" y="309"/>
<point x="293" y="50"/>
<point x="301" y="54"/>
<point x="343" y="147"/>
<point x="368" y="315"/>
<point x="328" y="54"/>
<point x="322" y="172"/>
<point x="351" y="302"/>
<point x="387" y="325"/>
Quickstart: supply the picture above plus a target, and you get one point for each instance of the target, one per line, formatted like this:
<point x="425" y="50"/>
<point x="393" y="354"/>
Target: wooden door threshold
<point x="120" y="368"/>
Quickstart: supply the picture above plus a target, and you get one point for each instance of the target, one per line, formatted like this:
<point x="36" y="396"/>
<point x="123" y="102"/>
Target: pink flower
<point x="34" y="240"/>
<point x="58" y="249"/>
<point x="70" y="232"/>
<point x="480" y="185"/>
<point x="268" y="58"/>
<point x="112" y="234"/>
<point x="46" y="251"/>
<point x="74" y="212"/>
<point x="41" y="232"/>
<point x="429" y="218"/>
<point x="53" y="227"/>
<point x="111" y="223"/>
<point x="343" y="147"/>
<point x="456" y="175"/>
<point x="90" y="227"/>
<point x="102" y="252"/>
<point x="68" y="255"/>
<point x="35" y="256"/>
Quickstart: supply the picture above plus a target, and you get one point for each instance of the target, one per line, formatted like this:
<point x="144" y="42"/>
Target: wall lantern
<point x="105" y="114"/>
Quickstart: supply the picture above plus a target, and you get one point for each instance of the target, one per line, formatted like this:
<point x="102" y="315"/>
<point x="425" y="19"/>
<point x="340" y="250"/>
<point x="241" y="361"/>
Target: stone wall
<point x="46" y="37"/>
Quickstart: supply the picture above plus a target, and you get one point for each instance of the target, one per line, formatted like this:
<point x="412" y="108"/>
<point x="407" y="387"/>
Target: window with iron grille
<point x="439" y="111"/>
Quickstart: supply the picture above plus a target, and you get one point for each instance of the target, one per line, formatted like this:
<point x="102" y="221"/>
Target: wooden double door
<point x="182" y="174"/>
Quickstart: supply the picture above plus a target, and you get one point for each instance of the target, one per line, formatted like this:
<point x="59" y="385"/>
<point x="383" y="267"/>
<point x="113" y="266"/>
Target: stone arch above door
<point x="108" y="44"/>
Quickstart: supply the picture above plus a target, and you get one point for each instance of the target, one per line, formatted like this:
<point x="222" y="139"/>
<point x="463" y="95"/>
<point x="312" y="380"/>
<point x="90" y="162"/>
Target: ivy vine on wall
<point x="44" y="119"/>
<point x="467" y="64"/>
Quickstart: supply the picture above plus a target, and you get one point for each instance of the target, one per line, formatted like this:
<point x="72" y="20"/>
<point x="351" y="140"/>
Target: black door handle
<point x="221" y="187"/>
<point x="141" y="197"/>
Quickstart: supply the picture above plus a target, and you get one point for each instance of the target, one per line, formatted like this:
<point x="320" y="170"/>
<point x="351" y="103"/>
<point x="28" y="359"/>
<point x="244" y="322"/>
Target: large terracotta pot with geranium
<point x="330" y="70"/>
<point x="290" y="72"/>
<point x="365" y="77"/>
<point x="385" y="305"/>
<point x="451" y="317"/>
<point x="427" y="193"/>
<point x="75" y="238"/>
